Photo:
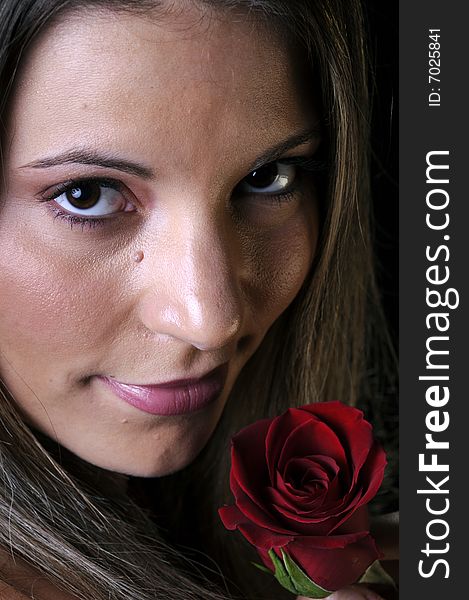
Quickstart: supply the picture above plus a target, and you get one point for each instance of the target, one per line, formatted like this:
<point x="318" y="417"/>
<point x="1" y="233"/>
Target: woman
<point x="184" y="249"/>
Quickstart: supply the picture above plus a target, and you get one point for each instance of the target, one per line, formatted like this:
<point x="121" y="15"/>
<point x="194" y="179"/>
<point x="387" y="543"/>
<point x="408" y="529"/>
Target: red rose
<point x="301" y="483"/>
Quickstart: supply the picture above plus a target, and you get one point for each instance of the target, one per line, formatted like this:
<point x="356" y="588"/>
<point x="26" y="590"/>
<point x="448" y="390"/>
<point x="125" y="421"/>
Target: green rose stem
<point x="292" y="578"/>
<point x="295" y="580"/>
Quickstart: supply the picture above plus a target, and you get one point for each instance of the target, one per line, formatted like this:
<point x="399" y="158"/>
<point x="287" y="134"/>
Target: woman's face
<point x="174" y="137"/>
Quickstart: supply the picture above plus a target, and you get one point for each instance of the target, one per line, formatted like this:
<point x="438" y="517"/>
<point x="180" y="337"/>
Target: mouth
<point x="177" y="397"/>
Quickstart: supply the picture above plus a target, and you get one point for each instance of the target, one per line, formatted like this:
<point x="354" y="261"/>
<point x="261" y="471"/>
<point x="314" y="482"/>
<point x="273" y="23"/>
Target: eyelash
<point x="73" y="220"/>
<point x="304" y="165"/>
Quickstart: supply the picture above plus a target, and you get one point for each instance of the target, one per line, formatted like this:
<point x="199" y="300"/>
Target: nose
<point x="194" y="284"/>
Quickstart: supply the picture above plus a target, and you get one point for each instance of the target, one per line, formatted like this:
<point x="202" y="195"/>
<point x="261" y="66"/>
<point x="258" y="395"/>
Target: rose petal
<point x="350" y="503"/>
<point x="371" y="475"/>
<point x="313" y="437"/>
<point x="248" y="454"/>
<point x="280" y="429"/>
<point x="372" y="472"/>
<point x="322" y="515"/>
<point x="258" y="514"/>
<point x="307" y="525"/>
<point x="320" y="482"/>
<point x="248" y="466"/>
<point x="343" y="420"/>
<point x="310" y="468"/>
<point x="263" y="538"/>
<point x="315" y="480"/>
<point x="231" y="516"/>
<point x="287" y="490"/>
<point x="299" y="472"/>
<point x="324" y="519"/>
<point x="339" y="512"/>
<point x="301" y="501"/>
<point x="329" y="542"/>
<point x="290" y="507"/>
<point x="358" y="521"/>
<point x="327" y="469"/>
<point x="335" y="489"/>
<point x="315" y="543"/>
<point x="333" y="569"/>
<point x="302" y="481"/>
<point x="259" y="537"/>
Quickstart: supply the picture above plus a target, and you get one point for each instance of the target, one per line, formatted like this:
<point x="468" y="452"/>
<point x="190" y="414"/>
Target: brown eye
<point x="84" y="195"/>
<point x="92" y="198"/>
<point x="273" y="178"/>
<point x="263" y="177"/>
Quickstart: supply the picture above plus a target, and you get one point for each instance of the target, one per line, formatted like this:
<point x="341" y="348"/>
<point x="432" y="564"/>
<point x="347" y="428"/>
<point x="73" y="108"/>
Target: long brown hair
<point x="97" y="547"/>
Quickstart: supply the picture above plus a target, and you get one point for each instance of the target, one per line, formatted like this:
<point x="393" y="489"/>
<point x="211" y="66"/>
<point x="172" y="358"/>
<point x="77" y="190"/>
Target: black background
<point x="383" y="32"/>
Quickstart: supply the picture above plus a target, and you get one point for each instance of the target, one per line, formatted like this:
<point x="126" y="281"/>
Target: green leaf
<point x="281" y="573"/>
<point x="262" y="568"/>
<point x="302" y="583"/>
<point x="376" y="574"/>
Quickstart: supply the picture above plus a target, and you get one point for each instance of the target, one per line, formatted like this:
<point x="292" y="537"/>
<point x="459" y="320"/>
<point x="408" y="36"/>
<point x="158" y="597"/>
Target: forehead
<point x="103" y="77"/>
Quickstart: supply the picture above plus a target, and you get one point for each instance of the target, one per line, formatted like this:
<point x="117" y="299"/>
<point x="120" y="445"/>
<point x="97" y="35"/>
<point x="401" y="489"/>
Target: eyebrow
<point x="91" y="157"/>
<point x="274" y="153"/>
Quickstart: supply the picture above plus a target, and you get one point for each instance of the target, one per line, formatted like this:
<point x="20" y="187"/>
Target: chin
<point x="154" y="457"/>
<point x="130" y="442"/>
<point x="155" y="469"/>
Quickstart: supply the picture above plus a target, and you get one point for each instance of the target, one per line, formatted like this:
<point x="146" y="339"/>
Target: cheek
<point x="63" y="307"/>
<point x="52" y="309"/>
<point x="283" y="261"/>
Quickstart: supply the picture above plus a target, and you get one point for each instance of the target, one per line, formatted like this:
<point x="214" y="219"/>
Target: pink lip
<point x="176" y="397"/>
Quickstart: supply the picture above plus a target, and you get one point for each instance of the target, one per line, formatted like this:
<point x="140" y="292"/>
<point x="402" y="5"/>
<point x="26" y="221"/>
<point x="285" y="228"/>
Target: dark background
<point x="383" y="46"/>
<point x="382" y="409"/>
